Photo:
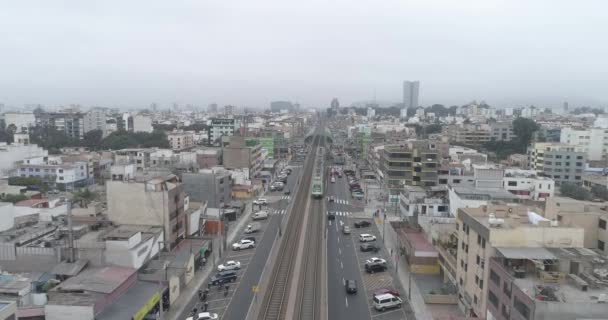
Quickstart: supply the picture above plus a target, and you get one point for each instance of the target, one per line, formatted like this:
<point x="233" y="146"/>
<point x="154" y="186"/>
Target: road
<point x="342" y="261"/>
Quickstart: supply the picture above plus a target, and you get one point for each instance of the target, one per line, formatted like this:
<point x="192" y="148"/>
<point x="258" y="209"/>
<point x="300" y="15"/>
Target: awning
<point x="526" y="253"/>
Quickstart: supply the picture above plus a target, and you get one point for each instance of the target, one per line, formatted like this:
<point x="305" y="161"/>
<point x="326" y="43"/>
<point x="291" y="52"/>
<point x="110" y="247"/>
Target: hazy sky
<point x="132" y="53"/>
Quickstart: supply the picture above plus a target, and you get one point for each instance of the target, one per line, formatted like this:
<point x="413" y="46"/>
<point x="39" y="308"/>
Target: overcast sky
<point x="131" y="53"/>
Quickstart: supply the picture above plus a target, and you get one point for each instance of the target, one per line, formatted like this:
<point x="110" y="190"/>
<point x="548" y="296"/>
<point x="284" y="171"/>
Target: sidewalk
<point x="402" y="268"/>
<point x="178" y="307"/>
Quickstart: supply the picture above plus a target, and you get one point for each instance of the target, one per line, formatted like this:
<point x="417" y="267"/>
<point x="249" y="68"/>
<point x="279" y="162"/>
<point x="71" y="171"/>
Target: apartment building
<point x="221" y="127"/>
<point x="70" y="123"/>
<point x="180" y="140"/>
<point x="140" y="157"/>
<point x="469" y="134"/>
<point x="95" y="119"/>
<point x="208" y="185"/>
<point x="158" y="201"/>
<point x="594" y="141"/>
<point x="526" y="184"/>
<point x="22" y="121"/>
<point x="415" y="201"/>
<point x="410" y="164"/>
<point x="241" y="154"/>
<point x="495" y="231"/>
<point x="142" y="123"/>
<point x="11" y="154"/>
<point x="561" y="162"/>
<point x="66" y="176"/>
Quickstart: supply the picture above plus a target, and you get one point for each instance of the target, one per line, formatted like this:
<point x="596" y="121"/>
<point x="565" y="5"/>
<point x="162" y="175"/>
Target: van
<point x="251" y="228"/>
<point x="260" y="215"/>
<point x="386" y="301"/>
<point x="365" y="237"/>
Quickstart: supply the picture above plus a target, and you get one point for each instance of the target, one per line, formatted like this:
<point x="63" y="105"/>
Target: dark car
<point x="287" y="192"/>
<point x="392" y="291"/>
<point x="223" y="277"/>
<point x="331" y="215"/>
<point x="362" y="224"/>
<point x="371" y="268"/>
<point x="350" y="286"/>
<point x="366" y="247"/>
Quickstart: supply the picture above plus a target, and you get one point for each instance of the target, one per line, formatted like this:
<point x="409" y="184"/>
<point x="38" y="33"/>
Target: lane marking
<point x="341" y="265"/>
<point x="388" y="312"/>
<point x="330" y="222"/>
<point x="339" y="251"/>
<point x="338" y="239"/>
<point x="346" y="298"/>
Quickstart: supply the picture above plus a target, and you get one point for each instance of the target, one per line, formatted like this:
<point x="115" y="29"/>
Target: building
<point x="594" y="140"/>
<point x="158" y="201"/>
<point x="278" y="106"/>
<point x="8" y="310"/>
<point x="561" y="162"/>
<point x="65" y="176"/>
<point x="411" y="164"/>
<point x="180" y="140"/>
<point x="142" y="123"/>
<point x="221" y="128"/>
<point x="471" y="197"/>
<point x="229" y="109"/>
<point x="416" y="201"/>
<point x="139" y="157"/>
<point x="70" y="123"/>
<point x="469" y="134"/>
<point x="95" y="119"/>
<point x="212" y="108"/>
<point x="501" y="131"/>
<point x="208" y="158"/>
<point x="527" y="185"/>
<point x="501" y="230"/>
<point x="11" y="154"/>
<point x="410" y="94"/>
<point x="22" y="121"/>
<point x="241" y="154"/>
<point x="209" y="185"/>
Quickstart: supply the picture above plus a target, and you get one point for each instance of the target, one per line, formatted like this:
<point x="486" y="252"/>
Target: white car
<point x="204" y="316"/>
<point x="375" y="260"/>
<point x="243" y="244"/>
<point x="229" y="265"/>
<point x="260" y="201"/>
<point x="366" y="237"/>
<point x="260" y="215"/>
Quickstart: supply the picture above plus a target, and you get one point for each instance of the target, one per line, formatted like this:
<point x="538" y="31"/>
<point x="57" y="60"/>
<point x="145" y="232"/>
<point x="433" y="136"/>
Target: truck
<point x="251" y="228"/>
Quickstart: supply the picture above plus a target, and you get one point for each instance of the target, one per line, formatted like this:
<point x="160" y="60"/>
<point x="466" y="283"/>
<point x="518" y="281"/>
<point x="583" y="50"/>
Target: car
<point x="333" y="180"/>
<point x="204" y="316"/>
<point x="386" y="301"/>
<point x="372" y="268"/>
<point x="243" y="244"/>
<point x="331" y="215"/>
<point x="350" y="286"/>
<point x="260" y="215"/>
<point x="362" y="224"/>
<point x="223" y="277"/>
<point x="260" y="201"/>
<point x="346" y="229"/>
<point x="382" y="291"/>
<point x="252" y="239"/>
<point x="289" y="171"/>
<point x="287" y="192"/>
<point x="331" y="198"/>
<point x="366" y="247"/>
<point x="229" y="265"/>
<point x="366" y="237"/>
<point x="358" y="196"/>
<point x="282" y="176"/>
<point x="251" y="228"/>
<point x="375" y="260"/>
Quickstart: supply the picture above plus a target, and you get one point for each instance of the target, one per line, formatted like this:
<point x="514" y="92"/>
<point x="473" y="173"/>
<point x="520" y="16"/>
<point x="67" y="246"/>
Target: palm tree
<point x="84" y="197"/>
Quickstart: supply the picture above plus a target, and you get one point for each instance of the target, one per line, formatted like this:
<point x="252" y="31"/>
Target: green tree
<point x="84" y="197"/>
<point x="13" y="198"/>
<point x="52" y="139"/>
<point x="6" y="133"/>
<point x="574" y="191"/>
<point x="600" y="192"/>
<point x="92" y="139"/>
<point x="124" y="139"/>
<point x="524" y="128"/>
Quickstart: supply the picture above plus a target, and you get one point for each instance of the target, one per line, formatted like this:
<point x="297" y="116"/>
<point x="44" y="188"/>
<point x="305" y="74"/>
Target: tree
<point x="84" y="197"/>
<point x="524" y="128"/>
<point x="600" y="192"/>
<point x="13" y="198"/>
<point x="6" y="133"/>
<point x="92" y="139"/>
<point x="573" y="191"/>
<point x="52" y="139"/>
<point x="123" y="139"/>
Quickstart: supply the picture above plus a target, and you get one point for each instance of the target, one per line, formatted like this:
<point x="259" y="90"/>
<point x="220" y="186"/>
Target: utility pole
<point x="70" y="232"/>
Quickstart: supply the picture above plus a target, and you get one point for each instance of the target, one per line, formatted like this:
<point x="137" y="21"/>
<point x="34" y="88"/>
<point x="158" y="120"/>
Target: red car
<point x="385" y="291"/>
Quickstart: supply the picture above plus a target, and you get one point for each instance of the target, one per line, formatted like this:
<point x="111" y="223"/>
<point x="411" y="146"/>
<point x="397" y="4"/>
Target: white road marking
<point x="341" y="265"/>
<point x="339" y="251"/>
<point x="386" y="312"/>
<point x="338" y="239"/>
<point x="346" y="298"/>
<point x="330" y="222"/>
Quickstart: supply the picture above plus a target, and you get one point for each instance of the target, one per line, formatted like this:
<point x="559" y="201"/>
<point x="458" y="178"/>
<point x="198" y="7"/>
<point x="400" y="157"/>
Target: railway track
<point x="274" y="304"/>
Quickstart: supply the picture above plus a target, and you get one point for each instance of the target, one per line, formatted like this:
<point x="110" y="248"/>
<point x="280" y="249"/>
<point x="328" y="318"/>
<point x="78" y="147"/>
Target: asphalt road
<point x="239" y="304"/>
<point x="342" y="261"/>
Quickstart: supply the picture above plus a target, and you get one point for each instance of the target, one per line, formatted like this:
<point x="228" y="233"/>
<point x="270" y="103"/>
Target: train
<point x="317" y="178"/>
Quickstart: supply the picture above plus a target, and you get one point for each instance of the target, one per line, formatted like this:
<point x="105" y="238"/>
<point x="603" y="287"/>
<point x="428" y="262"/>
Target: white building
<point x="181" y="140"/>
<point x="410" y="94"/>
<point x="594" y="141"/>
<point x="525" y="184"/>
<point x="23" y="121"/>
<point x="95" y="119"/>
<point x="142" y="123"/>
<point x="11" y="154"/>
<point x="371" y="112"/>
<point x="65" y="175"/>
<point x="221" y="128"/>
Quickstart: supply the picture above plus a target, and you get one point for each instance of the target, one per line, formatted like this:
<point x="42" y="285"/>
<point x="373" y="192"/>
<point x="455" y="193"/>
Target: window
<point x="480" y="283"/>
<point x="579" y="158"/>
<point x="466" y="267"/>
<point x="461" y="282"/>
<point x="600" y="245"/>
<point x="476" y="279"/>
<point x="558" y="163"/>
<point x="512" y="183"/>
<point x="493" y="299"/>
<point x="494" y="278"/>
<point x="602" y="224"/>
<point x="478" y="239"/>
<point x="60" y="170"/>
<point x="60" y="178"/>
<point x="506" y="289"/>
<point x="579" y="164"/>
<point x="475" y="299"/>
<point x="478" y="259"/>
<point x="523" y="309"/>
<point x="558" y="156"/>
<point x="483" y="243"/>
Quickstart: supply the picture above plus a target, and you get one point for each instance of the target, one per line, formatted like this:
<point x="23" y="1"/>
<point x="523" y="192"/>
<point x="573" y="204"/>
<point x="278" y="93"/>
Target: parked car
<point x="204" y="316"/>
<point x="362" y="224"/>
<point x="366" y="237"/>
<point x="223" y="277"/>
<point x="358" y="196"/>
<point x="382" y="291"/>
<point x="350" y="286"/>
<point x="260" y="215"/>
<point x="375" y="260"/>
<point x="386" y="301"/>
<point x="372" y="268"/>
<point x="331" y="198"/>
<point x="287" y="192"/>
<point x="243" y="244"/>
<point x="260" y="201"/>
<point x="346" y="229"/>
<point x="229" y="265"/>
<point x="366" y="247"/>
<point x="252" y="239"/>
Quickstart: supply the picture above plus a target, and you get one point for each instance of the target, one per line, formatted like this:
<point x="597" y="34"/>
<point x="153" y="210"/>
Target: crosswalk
<point x="341" y="201"/>
<point x="278" y="212"/>
<point x="340" y="213"/>
<point x="285" y="197"/>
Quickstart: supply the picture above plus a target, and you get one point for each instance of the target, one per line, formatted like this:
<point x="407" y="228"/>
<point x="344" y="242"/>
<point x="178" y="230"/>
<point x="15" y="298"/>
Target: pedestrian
<point x="205" y="306"/>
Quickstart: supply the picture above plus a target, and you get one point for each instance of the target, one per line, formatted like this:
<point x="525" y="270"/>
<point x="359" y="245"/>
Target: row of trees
<point x="524" y="129"/>
<point x="579" y="193"/>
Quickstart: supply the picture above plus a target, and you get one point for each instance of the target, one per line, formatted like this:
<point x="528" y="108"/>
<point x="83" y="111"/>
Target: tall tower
<point x="410" y="94"/>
